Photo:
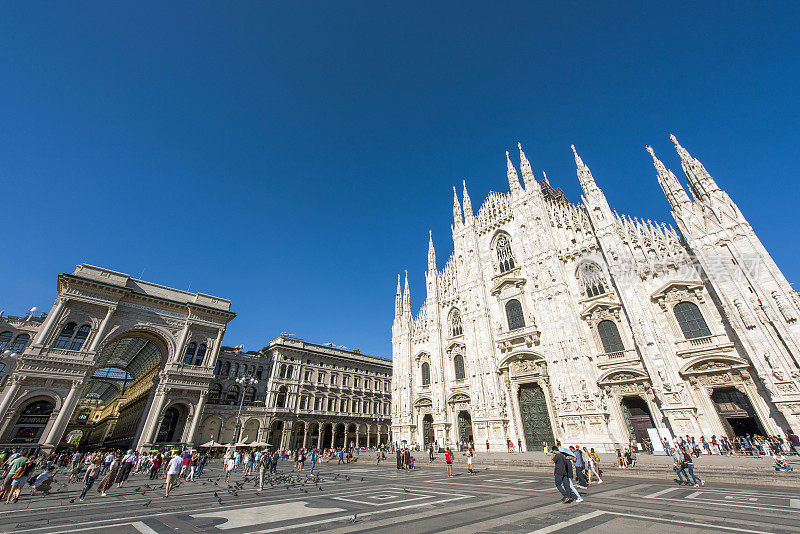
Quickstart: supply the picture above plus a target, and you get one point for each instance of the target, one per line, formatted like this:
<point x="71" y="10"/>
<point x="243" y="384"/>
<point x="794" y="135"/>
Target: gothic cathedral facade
<point x="561" y="321"/>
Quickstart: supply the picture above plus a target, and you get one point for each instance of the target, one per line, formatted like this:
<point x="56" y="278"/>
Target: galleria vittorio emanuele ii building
<point x="125" y="363"/>
<point x="561" y="321"/>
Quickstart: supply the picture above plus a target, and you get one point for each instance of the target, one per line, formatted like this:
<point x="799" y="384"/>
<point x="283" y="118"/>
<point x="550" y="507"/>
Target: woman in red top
<point x="448" y="459"/>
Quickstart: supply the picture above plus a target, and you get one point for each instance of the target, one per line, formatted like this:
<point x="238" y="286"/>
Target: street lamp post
<point x="244" y="382"/>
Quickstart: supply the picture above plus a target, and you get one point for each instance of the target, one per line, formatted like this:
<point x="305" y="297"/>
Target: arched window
<point x="505" y="257"/>
<point x="233" y="394"/>
<point x="280" y="401"/>
<point x="514" y="315"/>
<point x="455" y="323"/>
<point x="249" y="395"/>
<point x="609" y="336"/>
<point x="426" y="374"/>
<point x="259" y="372"/>
<point x="188" y="358"/>
<point x="592" y="278"/>
<point x="201" y="353"/>
<point x="458" y="367"/>
<point x="214" y="394"/>
<point x="80" y="337"/>
<point x="691" y="320"/>
<point x="217" y="367"/>
<point x="235" y="370"/>
<point x="282" y="372"/>
<point x="226" y="369"/>
<point x="5" y="337"/>
<point x="19" y="343"/>
<point x="62" y="342"/>
<point x="289" y="372"/>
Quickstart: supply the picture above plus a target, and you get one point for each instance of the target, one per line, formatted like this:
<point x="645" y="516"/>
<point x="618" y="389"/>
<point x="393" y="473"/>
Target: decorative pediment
<point x="602" y="309"/>
<point x="505" y="282"/>
<point x="713" y="364"/>
<point x="423" y="402"/>
<point x="422" y="357"/>
<point x="678" y="290"/>
<point x="458" y="398"/>
<point x="622" y="376"/>
<point x="455" y="347"/>
<point x="523" y="362"/>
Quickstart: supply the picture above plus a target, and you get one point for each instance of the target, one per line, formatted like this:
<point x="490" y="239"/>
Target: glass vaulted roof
<point x="135" y="355"/>
<point x="122" y="362"/>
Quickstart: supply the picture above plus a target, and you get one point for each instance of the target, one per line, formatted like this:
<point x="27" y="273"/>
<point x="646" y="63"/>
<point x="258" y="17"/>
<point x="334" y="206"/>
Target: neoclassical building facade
<point x="304" y="395"/>
<point x="560" y="321"/>
<point x="116" y="362"/>
<point x="124" y="363"/>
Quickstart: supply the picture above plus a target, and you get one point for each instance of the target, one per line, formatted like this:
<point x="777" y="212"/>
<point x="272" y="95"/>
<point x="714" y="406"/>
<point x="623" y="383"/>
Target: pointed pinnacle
<point x="578" y="160"/>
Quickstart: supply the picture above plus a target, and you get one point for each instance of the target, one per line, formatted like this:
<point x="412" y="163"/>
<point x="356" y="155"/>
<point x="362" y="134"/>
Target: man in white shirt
<point x="173" y="471"/>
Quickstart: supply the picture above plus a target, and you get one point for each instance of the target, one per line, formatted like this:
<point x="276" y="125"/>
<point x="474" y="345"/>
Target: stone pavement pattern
<point x="383" y="499"/>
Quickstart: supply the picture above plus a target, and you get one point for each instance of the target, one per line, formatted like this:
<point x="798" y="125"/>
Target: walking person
<point x="173" y="473"/>
<point x="125" y="468"/>
<point x="92" y="472"/>
<point x="580" y="466"/>
<point x="689" y="464"/>
<point x="448" y="459"/>
<point x="560" y="474"/>
<point x="155" y="465"/>
<point x="108" y="479"/>
<point x="591" y="468"/>
<point x="230" y="465"/>
<point x="314" y="457"/>
<point x="19" y="479"/>
<point x="678" y="467"/>
<point x="487" y="446"/>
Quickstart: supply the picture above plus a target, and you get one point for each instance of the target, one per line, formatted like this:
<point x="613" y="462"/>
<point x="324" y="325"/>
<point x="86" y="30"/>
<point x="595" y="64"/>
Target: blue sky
<point x="292" y="157"/>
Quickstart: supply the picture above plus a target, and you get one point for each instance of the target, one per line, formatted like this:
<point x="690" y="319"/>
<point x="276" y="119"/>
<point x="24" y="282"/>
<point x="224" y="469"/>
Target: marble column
<point x="101" y="330"/>
<point x="198" y="413"/>
<point x="66" y="411"/>
<point x="52" y="317"/>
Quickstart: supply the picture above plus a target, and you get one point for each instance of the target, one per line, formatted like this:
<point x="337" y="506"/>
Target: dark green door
<point x="427" y="430"/>
<point x="535" y="417"/>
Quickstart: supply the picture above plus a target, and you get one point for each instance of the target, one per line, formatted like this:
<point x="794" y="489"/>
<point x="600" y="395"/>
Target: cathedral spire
<point x="525" y="166"/>
<point x="398" y="300"/>
<point x="457" y="218"/>
<point x="406" y="298"/>
<point x="467" y="205"/>
<point x="431" y="254"/>
<point x="699" y="178"/>
<point x="673" y="190"/>
<point x="513" y="179"/>
<point x="584" y="174"/>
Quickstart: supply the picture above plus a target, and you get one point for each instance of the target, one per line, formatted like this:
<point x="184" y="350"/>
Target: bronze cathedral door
<point x="535" y="417"/>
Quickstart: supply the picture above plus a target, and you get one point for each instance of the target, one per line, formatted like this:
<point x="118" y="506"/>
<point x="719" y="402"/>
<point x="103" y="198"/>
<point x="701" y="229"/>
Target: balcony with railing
<point x="525" y="337"/>
<point x="689" y="348"/>
<point x="620" y="357"/>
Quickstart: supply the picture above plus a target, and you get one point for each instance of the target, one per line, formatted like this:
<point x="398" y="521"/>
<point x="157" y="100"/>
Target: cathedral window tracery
<point x="592" y="278"/>
<point x="691" y="320"/>
<point x="505" y="256"/>
<point x="456" y="328"/>
<point x="514" y="315"/>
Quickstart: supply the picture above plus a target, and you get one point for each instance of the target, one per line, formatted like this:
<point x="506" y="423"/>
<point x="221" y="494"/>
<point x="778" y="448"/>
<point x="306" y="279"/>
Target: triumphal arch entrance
<point x="117" y="362"/>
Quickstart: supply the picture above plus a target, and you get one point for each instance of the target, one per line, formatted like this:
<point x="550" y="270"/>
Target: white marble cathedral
<point x="561" y="321"/>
